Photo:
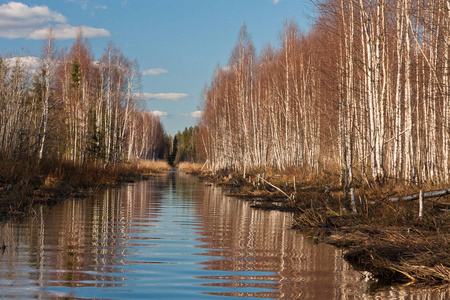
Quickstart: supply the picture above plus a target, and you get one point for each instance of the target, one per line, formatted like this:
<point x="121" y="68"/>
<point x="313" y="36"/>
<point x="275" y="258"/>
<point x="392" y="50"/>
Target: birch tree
<point x="366" y="89"/>
<point x="47" y="68"/>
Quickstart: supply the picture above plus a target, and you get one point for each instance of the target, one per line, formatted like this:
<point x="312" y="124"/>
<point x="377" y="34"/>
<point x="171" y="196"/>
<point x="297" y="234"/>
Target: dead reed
<point x="397" y="254"/>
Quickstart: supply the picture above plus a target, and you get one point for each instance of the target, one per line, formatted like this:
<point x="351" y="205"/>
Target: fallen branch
<point x="416" y="196"/>
<point x="283" y="192"/>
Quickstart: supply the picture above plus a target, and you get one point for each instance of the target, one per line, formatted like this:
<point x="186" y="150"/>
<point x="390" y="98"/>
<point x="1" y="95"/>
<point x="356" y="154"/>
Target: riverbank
<point x="22" y="186"/>
<point x="387" y="238"/>
<point x="190" y="168"/>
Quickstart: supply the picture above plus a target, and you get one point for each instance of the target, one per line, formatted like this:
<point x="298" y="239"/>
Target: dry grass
<point x="152" y="166"/>
<point x="190" y="168"/>
<point x="25" y="182"/>
<point x="397" y="253"/>
<point x="388" y="239"/>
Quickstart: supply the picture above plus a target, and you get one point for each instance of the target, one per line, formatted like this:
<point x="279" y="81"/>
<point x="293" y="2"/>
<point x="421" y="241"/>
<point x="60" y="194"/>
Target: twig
<point x="413" y="279"/>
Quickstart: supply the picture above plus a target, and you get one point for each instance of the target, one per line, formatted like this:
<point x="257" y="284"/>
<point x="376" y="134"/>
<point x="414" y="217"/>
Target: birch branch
<point x="416" y="196"/>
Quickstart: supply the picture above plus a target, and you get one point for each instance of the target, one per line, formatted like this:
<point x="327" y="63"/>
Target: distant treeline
<point x="364" y="92"/>
<point x="75" y="108"/>
<point x="184" y="147"/>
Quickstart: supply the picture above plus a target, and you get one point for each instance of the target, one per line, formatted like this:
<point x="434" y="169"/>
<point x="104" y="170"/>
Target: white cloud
<point x="65" y="31"/>
<point x="276" y="1"/>
<point x="18" y="20"/>
<point x="225" y="69"/>
<point x="163" y="96"/>
<point x="159" y="114"/>
<point x="195" y="114"/>
<point x="154" y="71"/>
<point x="104" y="7"/>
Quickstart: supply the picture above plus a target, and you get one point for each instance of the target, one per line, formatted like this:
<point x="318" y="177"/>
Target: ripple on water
<point x="172" y="237"/>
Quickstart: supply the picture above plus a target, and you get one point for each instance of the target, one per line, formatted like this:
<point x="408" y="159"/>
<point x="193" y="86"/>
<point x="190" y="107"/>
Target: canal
<point x="173" y="237"/>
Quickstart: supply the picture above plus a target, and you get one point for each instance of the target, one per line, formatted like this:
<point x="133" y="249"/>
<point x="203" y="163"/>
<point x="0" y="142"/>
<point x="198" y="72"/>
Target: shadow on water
<point x="174" y="237"/>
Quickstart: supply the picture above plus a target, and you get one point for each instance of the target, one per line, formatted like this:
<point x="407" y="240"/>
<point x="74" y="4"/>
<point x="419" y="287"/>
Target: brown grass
<point x="24" y="182"/>
<point x="397" y="253"/>
<point x="388" y="239"/>
<point x="152" y="166"/>
<point x="190" y="168"/>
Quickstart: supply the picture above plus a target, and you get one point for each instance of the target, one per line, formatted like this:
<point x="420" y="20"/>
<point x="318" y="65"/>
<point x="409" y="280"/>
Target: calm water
<point x="172" y="237"/>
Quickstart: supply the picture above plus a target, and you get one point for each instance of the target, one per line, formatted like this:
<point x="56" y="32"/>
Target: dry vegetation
<point x="152" y="166"/>
<point x="190" y="168"/>
<point x="388" y="239"/>
<point x="404" y="254"/>
<point x="22" y="185"/>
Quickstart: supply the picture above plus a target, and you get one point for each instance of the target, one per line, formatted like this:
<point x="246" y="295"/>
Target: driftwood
<point x="426" y="195"/>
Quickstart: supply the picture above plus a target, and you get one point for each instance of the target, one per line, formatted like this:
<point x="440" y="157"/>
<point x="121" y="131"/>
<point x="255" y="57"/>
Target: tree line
<point x="184" y="147"/>
<point x="365" y="91"/>
<point x="75" y="108"/>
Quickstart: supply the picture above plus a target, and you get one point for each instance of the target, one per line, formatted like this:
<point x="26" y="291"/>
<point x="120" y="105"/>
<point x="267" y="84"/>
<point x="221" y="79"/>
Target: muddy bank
<point x="387" y="238"/>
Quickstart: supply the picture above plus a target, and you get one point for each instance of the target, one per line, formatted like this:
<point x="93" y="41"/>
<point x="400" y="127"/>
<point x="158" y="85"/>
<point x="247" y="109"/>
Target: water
<point x="172" y="237"/>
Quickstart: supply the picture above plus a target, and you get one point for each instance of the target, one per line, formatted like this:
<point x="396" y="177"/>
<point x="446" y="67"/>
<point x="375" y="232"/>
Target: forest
<point x="364" y="93"/>
<point x="74" y="108"/>
<point x="363" y="96"/>
<point x="184" y="147"/>
<point x="70" y="124"/>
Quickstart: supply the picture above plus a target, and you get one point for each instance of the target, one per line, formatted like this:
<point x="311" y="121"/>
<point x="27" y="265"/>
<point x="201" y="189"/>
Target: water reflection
<point x="247" y="241"/>
<point x="173" y="237"/>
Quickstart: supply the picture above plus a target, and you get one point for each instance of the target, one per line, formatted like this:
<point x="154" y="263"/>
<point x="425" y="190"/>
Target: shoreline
<point x="67" y="180"/>
<point x="386" y="238"/>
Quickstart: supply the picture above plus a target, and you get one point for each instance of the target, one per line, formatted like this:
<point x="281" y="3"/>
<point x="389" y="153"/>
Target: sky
<point x="177" y="43"/>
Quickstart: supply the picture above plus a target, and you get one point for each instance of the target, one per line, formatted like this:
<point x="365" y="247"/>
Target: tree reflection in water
<point x="258" y="250"/>
<point x="173" y="237"/>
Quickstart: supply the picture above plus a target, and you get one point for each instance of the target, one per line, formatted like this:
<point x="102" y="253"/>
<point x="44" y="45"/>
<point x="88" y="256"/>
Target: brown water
<point x="172" y="237"/>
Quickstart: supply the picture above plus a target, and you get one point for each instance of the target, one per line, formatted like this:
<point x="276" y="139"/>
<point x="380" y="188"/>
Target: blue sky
<point x="178" y="43"/>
